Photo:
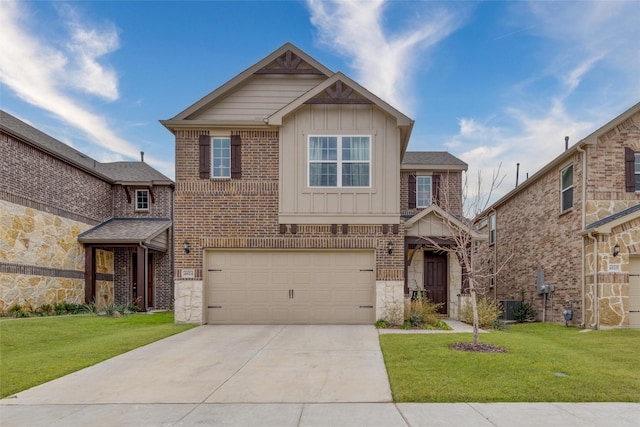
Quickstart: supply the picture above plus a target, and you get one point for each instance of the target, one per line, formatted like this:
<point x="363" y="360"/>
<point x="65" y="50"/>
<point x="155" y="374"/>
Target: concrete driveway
<point x="232" y="364"/>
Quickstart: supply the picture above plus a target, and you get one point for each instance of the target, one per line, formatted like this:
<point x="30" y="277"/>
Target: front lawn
<point x="36" y="350"/>
<point x="544" y="363"/>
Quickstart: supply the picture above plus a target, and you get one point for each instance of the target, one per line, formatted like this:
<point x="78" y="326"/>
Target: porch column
<point x="89" y="274"/>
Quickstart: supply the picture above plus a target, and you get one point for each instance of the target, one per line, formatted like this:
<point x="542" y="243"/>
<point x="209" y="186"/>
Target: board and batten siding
<point x="260" y="97"/>
<point x="379" y="204"/>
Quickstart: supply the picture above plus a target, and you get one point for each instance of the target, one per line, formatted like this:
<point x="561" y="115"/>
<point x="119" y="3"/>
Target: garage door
<point x="634" y="292"/>
<point x="262" y="287"/>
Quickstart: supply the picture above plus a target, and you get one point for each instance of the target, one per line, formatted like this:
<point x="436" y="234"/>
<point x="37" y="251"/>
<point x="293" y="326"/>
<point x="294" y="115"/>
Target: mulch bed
<point x="481" y="347"/>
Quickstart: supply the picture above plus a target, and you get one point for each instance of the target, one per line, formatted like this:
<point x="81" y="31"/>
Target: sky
<point x="494" y="83"/>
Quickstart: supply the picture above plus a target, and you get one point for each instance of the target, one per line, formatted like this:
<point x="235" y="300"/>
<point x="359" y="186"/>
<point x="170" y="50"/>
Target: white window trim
<point x="139" y="209"/>
<point x="492" y="229"/>
<point x="339" y="161"/>
<point x="563" y="190"/>
<point x="213" y="158"/>
<point x="418" y="205"/>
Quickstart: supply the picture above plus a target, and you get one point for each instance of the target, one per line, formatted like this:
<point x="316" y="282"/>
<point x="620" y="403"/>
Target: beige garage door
<point x="634" y="292"/>
<point x="262" y="287"/>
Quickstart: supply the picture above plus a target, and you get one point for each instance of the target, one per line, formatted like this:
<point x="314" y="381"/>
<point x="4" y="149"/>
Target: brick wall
<point x="243" y="213"/>
<point x="532" y="234"/>
<point x="162" y="208"/>
<point x="450" y="192"/>
<point x="34" y="175"/>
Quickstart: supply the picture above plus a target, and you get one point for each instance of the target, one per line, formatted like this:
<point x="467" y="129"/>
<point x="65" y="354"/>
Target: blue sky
<point x="495" y="83"/>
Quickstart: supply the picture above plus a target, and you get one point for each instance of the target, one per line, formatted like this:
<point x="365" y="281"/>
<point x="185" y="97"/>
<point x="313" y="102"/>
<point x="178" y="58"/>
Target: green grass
<point x="36" y="350"/>
<point x="600" y="366"/>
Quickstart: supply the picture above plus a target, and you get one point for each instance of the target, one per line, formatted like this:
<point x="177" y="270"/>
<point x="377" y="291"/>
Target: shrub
<point x="524" y="312"/>
<point x="420" y="312"/>
<point x="16" y="310"/>
<point x="488" y="311"/>
<point x="381" y="323"/>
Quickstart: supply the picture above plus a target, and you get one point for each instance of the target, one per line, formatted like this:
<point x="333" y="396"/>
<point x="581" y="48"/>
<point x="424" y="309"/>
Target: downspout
<point x="596" y="305"/>
<point x="583" y="225"/>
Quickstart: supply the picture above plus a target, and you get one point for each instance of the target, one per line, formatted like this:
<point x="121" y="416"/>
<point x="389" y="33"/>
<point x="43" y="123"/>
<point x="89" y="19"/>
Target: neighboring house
<point x="76" y="230"/>
<point x="287" y="199"/>
<point x="572" y="232"/>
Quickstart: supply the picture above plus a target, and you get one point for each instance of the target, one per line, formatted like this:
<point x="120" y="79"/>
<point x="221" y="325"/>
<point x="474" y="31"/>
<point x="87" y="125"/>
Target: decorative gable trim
<point x="339" y="93"/>
<point x="289" y="63"/>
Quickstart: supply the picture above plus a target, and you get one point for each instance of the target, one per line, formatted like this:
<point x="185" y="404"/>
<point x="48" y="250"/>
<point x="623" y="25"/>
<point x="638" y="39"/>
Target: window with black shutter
<point x="236" y="157"/>
<point x="631" y="170"/>
<point x="204" y="142"/>
<point x="412" y="191"/>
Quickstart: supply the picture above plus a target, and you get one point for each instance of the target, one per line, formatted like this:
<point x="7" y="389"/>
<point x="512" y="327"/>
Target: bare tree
<point x="463" y="235"/>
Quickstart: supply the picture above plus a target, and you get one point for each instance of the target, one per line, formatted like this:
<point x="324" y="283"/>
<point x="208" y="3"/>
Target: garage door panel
<point x="289" y="286"/>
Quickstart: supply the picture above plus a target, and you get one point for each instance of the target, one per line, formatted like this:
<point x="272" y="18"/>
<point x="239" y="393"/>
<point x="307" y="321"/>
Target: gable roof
<point x="404" y="123"/>
<point x="117" y="172"/>
<point x="442" y="215"/>
<point x="261" y="67"/>
<point x="432" y="160"/>
<point x="590" y="139"/>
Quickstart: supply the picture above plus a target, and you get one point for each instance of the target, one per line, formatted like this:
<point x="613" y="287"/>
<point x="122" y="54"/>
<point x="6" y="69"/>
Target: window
<point x="566" y="188"/>
<point x="142" y="200"/>
<point x="423" y="191"/>
<point x="221" y="158"/>
<point x="492" y="229"/>
<point x="339" y="161"/>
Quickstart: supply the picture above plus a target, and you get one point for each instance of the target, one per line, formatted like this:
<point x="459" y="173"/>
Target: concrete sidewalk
<point x="326" y="414"/>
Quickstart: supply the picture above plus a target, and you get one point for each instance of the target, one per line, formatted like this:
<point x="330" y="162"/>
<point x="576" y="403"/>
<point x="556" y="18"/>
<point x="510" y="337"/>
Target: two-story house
<point x="569" y="236"/>
<point x="287" y="198"/>
<point x="75" y="230"/>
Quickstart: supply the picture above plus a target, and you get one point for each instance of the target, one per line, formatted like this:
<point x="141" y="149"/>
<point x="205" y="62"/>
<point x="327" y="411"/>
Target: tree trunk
<point x="474" y="306"/>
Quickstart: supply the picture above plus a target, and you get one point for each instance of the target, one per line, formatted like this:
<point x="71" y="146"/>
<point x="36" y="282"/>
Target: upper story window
<point x="339" y="161"/>
<point x="142" y="200"/>
<point x="566" y="188"/>
<point x="221" y="157"/>
<point x="423" y="191"/>
<point x="492" y="229"/>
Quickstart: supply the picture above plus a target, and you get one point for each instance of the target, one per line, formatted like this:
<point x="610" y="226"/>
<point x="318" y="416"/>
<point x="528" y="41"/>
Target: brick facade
<point x="46" y="202"/>
<point x="532" y="234"/>
<point x="450" y="191"/>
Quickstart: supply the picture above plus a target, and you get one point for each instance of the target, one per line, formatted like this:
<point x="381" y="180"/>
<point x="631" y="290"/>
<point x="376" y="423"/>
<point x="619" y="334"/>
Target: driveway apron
<point x="232" y="364"/>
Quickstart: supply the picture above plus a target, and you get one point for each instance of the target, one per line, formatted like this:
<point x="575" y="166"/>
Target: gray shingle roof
<point x="441" y="158"/>
<point x="113" y="172"/>
<point x="613" y="217"/>
<point x="125" y="230"/>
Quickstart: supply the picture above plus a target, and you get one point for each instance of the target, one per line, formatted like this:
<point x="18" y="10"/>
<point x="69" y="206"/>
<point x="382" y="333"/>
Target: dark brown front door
<point x="435" y="279"/>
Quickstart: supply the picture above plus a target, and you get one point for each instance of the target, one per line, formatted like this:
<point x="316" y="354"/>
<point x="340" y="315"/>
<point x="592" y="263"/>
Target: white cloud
<point x="383" y="62"/>
<point x="45" y="76"/>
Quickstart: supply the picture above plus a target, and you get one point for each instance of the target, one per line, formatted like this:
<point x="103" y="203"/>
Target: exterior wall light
<point x="616" y="250"/>
<point x="185" y="246"/>
<point x="390" y="247"/>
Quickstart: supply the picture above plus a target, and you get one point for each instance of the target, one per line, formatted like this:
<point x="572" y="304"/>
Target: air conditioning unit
<point x="508" y="307"/>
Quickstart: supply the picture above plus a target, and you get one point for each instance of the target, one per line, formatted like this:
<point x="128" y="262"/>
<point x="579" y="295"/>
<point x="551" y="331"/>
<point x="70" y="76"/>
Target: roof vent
<point x="566" y="143"/>
<point x="142" y="156"/>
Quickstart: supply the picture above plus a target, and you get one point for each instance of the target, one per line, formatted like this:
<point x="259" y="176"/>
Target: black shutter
<point x="236" y="157"/>
<point x="435" y="182"/>
<point x="204" y="141"/>
<point x="412" y="191"/>
<point x="630" y="169"/>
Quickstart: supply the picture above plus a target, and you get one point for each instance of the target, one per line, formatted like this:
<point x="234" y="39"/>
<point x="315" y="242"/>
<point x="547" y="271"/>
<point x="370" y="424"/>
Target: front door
<point x="435" y="279"/>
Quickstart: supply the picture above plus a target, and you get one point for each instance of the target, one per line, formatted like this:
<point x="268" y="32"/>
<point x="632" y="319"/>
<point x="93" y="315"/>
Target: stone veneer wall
<point x="41" y="261"/>
<point x="243" y="213"/>
<point x="612" y="277"/>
